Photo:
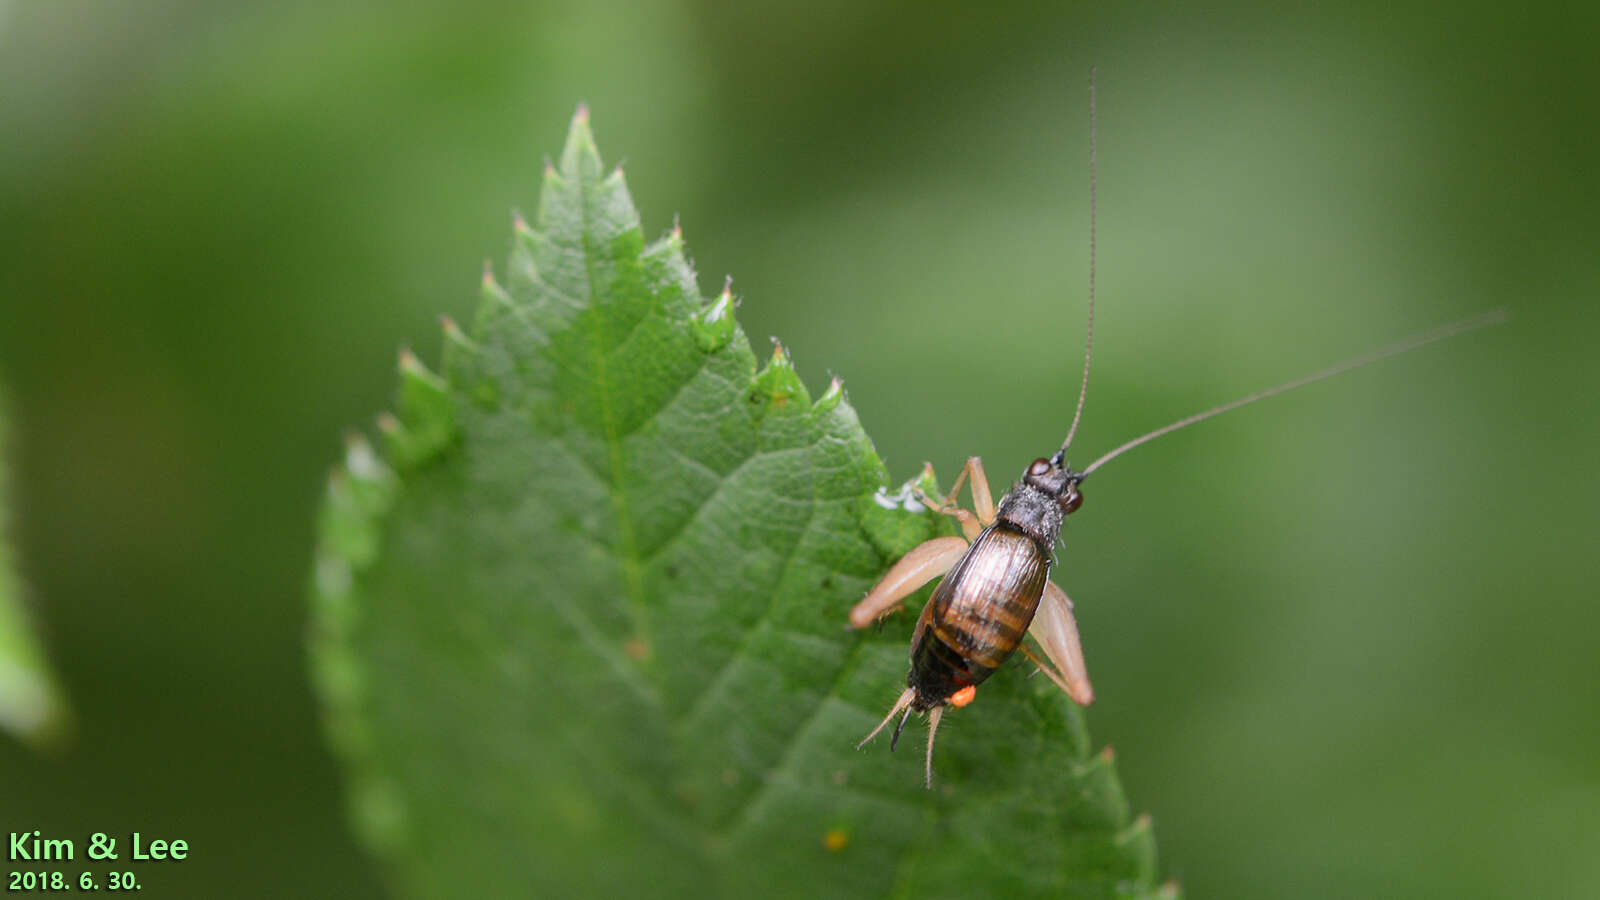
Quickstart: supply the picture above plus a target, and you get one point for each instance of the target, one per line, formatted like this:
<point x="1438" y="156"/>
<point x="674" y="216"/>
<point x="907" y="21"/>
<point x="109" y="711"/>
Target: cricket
<point x="996" y="589"/>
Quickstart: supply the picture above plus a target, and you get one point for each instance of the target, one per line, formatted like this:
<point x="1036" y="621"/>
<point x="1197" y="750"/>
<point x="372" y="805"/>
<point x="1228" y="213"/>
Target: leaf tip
<point x="1140" y="827"/>
<point x="457" y="346"/>
<point x="524" y="250"/>
<point x="491" y="292"/>
<point x="895" y="521"/>
<point x="360" y="461"/>
<point x="421" y="391"/>
<point x="779" y="381"/>
<point x="412" y="367"/>
<point x="780" y="356"/>
<point x="396" y="436"/>
<point x="831" y="397"/>
<point x="521" y="230"/>
<point x="1138" y="840"/>
<point x="455" y="336"/>
<point x="428" y="410"/>
<point x="714" y="325"/>
<point x="580" y="158"/>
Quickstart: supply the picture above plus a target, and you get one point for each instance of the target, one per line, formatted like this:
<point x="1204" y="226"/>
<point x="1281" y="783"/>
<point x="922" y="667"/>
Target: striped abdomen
<point x="979" y="612"/>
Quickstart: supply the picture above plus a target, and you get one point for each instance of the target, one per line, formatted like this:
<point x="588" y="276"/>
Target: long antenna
<point x="1472" y="323"/>
<point x="1088" y="342"/>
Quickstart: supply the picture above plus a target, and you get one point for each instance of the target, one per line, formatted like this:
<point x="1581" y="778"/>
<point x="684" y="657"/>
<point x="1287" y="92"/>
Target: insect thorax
<point x="1034" y="513"/>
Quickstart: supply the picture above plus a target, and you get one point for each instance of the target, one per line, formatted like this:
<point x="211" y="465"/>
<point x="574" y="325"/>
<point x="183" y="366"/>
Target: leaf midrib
<point x="632" y="577"/>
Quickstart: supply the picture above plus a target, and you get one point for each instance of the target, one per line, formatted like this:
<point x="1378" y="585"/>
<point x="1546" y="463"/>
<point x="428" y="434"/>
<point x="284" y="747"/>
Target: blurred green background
<point x="1344" y="642"/>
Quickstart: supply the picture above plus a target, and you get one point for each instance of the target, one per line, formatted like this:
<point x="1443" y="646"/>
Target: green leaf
<point x="31" y="705"/>
<point x="582" y="630"/>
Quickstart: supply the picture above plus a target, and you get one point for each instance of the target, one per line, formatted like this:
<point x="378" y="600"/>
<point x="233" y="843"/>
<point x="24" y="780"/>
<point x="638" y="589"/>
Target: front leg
<point x="982" y="500"/>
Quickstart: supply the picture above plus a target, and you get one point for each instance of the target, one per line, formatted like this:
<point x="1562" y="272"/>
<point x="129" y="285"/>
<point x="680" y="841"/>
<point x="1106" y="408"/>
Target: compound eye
<point x="1040" y="466"/>
<point x="1073" y="500"/>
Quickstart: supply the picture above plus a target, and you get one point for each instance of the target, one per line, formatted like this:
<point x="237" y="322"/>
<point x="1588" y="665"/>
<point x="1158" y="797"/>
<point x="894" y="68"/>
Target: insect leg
<point x="970" y="526"/>
<point x="928" y="561"/>
<point x="982" y="502"/>
<point x="1057" y="633"/>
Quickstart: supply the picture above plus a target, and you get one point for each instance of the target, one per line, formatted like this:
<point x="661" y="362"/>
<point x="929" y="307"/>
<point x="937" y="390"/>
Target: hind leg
<point x="1057" y="633"/>
<point x="923" y="564"/>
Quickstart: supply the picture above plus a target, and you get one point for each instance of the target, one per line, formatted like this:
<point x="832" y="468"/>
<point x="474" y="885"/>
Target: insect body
<point x="996" y="587"/>
<point x="980" y="612"/>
